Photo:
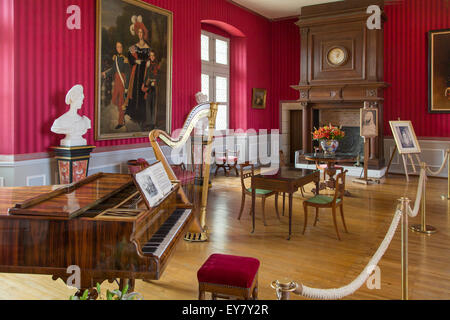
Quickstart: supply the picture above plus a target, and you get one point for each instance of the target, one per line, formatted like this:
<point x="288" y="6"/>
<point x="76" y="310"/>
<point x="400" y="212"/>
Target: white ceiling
<point x="275" y="9"/>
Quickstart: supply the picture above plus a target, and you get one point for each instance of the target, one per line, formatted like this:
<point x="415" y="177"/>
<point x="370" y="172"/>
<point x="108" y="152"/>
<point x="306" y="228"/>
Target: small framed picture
<point x="369" y="122"/>
<point x="405" y="137"/>
<point x="259" y="98"/>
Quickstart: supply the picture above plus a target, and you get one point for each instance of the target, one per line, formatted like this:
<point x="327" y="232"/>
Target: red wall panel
<point x="406" y="64"/>
<point x="285" y="63"/>
<point x="50" y="59"/>
<point x="7" y="77"/>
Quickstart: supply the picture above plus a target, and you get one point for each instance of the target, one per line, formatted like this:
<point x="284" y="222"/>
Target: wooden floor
<point x="317" y="258"/>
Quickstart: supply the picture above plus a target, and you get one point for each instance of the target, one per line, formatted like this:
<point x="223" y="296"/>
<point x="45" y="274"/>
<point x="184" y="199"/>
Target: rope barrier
<point x="339" y="293"/>
<point x="331" y="294"/>
<point x="413" y="212"/>
<point x="435" y="173"/>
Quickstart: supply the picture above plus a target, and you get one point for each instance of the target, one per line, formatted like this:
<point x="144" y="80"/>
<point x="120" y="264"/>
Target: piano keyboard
<point x="158" y="244"/>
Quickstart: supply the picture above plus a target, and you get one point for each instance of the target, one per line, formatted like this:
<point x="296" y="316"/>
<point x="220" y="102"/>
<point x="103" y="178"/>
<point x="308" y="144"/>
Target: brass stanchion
<point x="404" y="207"/>
<point x="284" y="289"/>
<point x="423" y="227"/>
<point x="448" y="176"/>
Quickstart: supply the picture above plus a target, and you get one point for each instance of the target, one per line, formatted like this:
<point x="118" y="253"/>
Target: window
<point x="216" y="74"/>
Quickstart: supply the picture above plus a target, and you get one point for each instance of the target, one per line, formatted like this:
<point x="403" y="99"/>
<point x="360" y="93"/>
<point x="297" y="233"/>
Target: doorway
<point x="295" y="133"/>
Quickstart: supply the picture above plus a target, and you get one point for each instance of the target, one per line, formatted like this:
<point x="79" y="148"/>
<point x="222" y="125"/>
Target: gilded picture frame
<point x="439" y="71"/>
<point x="133" y="77"/>
<point x="369" y="122"/>
<point x="405" y="137"/>
<point x="259" y="98"/>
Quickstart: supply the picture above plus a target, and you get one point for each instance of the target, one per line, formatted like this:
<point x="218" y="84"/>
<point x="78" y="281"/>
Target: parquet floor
<point x="317" y="258"/>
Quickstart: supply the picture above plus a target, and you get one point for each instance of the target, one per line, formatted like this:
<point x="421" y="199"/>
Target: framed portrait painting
<point x="133" y="69"/>
<point x="369" y="122"/>
<point x="259" y="98"/>
<point x="405" y="137"/>
<point x="439" y="71"/>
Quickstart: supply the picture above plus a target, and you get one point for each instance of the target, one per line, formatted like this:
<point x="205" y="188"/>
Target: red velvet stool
<point x="228" y="276"/>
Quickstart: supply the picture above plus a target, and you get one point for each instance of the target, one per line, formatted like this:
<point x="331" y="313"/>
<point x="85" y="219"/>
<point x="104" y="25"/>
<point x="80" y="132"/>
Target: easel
<point x="405" y="160"/>
<point x="366" y="179"/>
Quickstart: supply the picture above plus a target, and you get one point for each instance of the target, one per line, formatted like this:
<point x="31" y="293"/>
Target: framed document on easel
<point x="406" y="143"/>
<point x="368" y="130"/>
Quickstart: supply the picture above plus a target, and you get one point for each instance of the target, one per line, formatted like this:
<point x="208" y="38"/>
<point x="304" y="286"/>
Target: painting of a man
<point x="120" y="72"/>
<point x="134" y="69"/>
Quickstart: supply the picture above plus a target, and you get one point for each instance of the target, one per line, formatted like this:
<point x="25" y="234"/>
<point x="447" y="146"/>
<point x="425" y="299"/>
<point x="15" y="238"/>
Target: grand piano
<point x="99" y="224"/>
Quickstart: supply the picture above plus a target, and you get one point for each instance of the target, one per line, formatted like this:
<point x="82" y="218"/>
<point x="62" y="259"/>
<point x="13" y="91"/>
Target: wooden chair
<point x="247" y="172"/>
<point x="284" y="164"/>
<point x="227" y="160"/>
<point x="322" y="201"/>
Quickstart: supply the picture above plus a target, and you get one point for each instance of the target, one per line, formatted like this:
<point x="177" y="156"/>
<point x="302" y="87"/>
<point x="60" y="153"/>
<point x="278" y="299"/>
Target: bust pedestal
<point x="73" y="163"/>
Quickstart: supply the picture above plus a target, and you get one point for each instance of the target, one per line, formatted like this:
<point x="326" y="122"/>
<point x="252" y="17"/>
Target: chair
<point x="227" y="160"/>
<point x="227" y="276"/>
<point x="322" y="201"/>
<point x="134" y="166"/>
<point x="283" y="164"/>
<point x="247" y="172"/>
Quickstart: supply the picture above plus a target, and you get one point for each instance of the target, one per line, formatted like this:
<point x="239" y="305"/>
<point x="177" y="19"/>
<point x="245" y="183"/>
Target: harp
<point x="197" y="231"/>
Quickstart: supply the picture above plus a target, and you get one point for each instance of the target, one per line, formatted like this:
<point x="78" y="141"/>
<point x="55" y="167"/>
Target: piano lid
<point x="75" y="199"/>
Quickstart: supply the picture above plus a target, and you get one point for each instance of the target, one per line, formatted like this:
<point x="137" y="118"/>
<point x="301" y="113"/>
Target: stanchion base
<point x="418" y="228"/>
<point x="196" y="237"/>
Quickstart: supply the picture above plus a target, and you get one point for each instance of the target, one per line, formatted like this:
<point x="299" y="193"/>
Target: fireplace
<point x="334" y="90"/>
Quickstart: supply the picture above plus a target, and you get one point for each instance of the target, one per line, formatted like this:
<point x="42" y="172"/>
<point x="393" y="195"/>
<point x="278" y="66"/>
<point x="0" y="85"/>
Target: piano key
<point x="157" y="244"/>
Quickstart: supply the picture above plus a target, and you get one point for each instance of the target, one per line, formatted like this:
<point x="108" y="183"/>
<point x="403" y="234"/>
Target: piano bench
<point x="226" y="276"/>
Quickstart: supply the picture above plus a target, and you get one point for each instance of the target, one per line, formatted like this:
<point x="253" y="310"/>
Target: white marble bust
<point x="71" y="123"/>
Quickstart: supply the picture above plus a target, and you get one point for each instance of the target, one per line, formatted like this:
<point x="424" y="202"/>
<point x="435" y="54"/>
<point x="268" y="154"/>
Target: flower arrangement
<point x="328" y="133"/>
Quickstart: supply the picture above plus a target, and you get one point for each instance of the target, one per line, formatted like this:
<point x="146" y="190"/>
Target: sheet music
<point x="154" y="183"/>
<point x="161" y="179"/>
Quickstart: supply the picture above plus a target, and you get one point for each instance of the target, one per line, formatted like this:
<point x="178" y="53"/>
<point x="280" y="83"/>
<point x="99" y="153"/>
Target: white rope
<point x="422" y="178"/>
<point x="435" y="173"/>
<point x="339" y="293"/>
<point x="332" y="294"/>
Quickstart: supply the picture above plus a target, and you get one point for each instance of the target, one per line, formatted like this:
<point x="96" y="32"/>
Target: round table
<point x="330" y="160"/>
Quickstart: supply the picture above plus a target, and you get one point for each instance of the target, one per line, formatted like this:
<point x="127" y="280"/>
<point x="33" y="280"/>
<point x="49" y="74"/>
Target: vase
<point x="329" y="146"/>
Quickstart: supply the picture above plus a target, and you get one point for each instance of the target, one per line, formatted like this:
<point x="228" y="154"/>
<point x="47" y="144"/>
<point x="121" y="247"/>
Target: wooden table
<point x="330" y="160"/>
<point x="286" y="179"/>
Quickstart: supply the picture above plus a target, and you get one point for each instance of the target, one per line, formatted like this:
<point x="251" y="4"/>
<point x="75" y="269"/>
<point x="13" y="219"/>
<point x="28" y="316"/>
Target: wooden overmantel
<point x="341" y="64"/>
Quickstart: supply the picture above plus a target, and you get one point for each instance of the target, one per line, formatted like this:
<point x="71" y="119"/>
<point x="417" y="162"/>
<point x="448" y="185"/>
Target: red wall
<point x="50" y="59"/>
<point x="7" y="77"/>
<point x="406" y="64"/>
<point x="285" y="63"/>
